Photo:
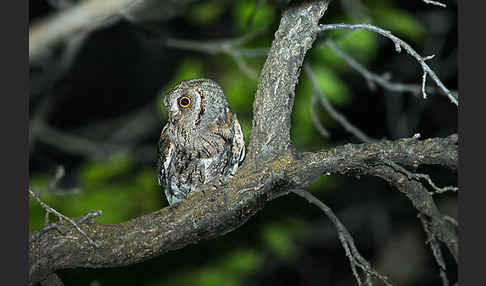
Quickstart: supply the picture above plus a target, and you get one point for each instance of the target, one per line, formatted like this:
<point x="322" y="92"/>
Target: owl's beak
<point x="173" y="112"/>
<point x="174" y="109"/>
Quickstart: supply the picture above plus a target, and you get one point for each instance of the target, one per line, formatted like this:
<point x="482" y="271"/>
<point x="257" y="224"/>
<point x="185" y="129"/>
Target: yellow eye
<point x="184" y="102"/>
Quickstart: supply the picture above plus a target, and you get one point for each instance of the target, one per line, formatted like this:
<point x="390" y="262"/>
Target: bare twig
<point x="421" y="199"/>
<point x="219" y="46"/>
<point x="355" y="258"/>
<point x="399" y="44"/>
<point x="317" y="123"/>
<point x="451" y="220"/>
<point x="436" y="251"/>
<point x="48" y="226"/>
<point x="225" y="46"/>
<point x="333" y="112"/>
<point x="375" y="78"/>
<point x="74" y="144"/>
<point x="86" y="16"/>
<point x="34" y="236"/>
<point x="243" y="66"/>
<point x="437" y="3"/>
<point x="61" y="216"/>
<point x="426" y="177"/>
<point x="60" y="172"/>
<point x="53" y="186"/>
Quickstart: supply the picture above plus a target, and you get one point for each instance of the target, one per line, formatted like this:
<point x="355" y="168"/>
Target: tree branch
<point x="399" y="44"/>
<point x="52" y="280"/>
<point x="218" y="211"/>
<point x="381" y="80"/>
<point x="341" y="119"/>
<point x="272" y="168"/>
<point x="437" y="3"/>
<point x="89" y="15"/>
<point x="274" y="98"/>
<point x="225" y="46"/>
<point x="347" y="241"/>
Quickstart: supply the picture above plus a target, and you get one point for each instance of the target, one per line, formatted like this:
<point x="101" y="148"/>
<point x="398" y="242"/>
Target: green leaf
<point x="205" y="12"/>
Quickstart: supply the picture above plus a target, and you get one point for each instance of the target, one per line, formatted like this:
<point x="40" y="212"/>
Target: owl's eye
<point x="184" y="102"/>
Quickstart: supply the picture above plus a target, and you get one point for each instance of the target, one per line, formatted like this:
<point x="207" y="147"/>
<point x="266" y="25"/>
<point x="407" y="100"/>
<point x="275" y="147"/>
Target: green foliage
<point x="95" y="171"/>
<point x="205" y="12"/>
<point x="211" y="276"/>
<point x="304" y="135"/>
<point x="278" y="239"/>
<point x="113" y="186"/>
<point x="398" y="21"/>
<point x="360" y="44"/>
<point x="250" y="14"/>
<point x="323" y="183"/>
<point x="238" y="89"/>
<point x="246" y="127"/>
<point x="241" y="262"/>
<point x="331" y="85"/>
<point x="228" y="270"/>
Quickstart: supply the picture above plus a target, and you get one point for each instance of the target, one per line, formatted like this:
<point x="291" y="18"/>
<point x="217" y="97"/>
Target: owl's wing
<point x="164" y="155"/>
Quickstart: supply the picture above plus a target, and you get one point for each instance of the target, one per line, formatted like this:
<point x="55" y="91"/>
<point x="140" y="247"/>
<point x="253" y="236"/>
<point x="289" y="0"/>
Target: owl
<point x="202" y="142"/>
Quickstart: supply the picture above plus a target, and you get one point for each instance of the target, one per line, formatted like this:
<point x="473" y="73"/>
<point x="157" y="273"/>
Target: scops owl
<point x="202" y="142"/>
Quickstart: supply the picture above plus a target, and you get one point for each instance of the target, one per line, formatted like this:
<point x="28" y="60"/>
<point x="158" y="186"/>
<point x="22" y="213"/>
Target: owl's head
<point x="195" y="103"/>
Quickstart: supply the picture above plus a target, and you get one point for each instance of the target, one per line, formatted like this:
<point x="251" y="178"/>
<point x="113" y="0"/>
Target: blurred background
<point x="96" y="114"/>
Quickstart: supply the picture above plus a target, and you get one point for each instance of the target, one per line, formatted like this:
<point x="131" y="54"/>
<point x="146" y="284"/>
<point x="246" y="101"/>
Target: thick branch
<point x="219" y="211"/>
<point x="422" y="200"/>
<point x="274" y="97"/>
<point x="406" y="152"/>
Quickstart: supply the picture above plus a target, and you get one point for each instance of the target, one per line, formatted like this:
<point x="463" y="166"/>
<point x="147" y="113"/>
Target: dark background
<point x="101" y="116"/>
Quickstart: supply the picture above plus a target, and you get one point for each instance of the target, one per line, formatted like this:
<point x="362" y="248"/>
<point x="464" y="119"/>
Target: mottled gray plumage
<point x="202" y="143"/>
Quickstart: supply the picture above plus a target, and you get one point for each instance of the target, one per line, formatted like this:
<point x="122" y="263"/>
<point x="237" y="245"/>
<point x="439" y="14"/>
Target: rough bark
<point x="271" y="169"/>
<point x="275" y="94"/>
<point x="219" y="211"/>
